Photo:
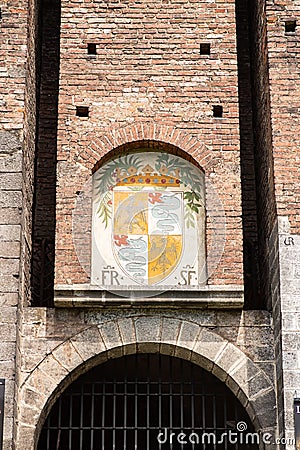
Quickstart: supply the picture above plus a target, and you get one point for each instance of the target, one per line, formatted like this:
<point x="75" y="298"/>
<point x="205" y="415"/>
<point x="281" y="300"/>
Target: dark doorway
<point x="137" y="401"/>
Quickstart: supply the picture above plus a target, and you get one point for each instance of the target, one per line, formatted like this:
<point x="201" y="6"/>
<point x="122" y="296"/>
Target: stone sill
<point x="200" y="297"/>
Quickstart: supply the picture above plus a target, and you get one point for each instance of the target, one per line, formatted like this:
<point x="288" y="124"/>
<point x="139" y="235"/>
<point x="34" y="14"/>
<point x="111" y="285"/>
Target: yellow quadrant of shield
<point x="130" y="213"/>
<point x="164" y="255"/>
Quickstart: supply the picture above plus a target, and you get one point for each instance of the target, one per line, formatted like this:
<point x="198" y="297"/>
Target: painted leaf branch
<point x="105" y="208"/>
<point x="192" y="201"/>
<point x="187" y="176"/>
<point x="106" y="176"/>
<point x="189" y="218"/>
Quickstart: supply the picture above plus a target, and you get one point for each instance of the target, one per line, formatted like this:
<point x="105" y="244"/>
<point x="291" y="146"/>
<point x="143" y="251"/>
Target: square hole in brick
<point x="205" y="49"/>
<point x="218" y="111"/>
<point x="92" y="49"/>
<point x="82" y="111"/>
<point x="290" y="26"/>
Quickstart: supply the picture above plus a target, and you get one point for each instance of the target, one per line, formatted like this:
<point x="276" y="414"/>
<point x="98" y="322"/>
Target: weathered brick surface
<point x="148" y="75"/>
<point x="263" y="156"/>
<point x="148" y="83"/>
<point x="12" y="72"/>
<point x="45" y="151"/>
<point x="15" y="189"/>
<point x="248" y="178"/>
<point x="283" y="52"/>
<point x="284" y="73"/>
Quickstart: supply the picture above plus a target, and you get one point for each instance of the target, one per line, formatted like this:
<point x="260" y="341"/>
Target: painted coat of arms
<point x="148" y="222"/>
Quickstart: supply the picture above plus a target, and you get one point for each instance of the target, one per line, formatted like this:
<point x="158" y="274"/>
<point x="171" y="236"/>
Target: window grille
<point x="125" y="404"/>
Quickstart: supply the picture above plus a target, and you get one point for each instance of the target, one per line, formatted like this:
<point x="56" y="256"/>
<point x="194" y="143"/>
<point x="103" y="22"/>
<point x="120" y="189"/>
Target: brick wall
<point x="248" y="179"/>
<point x="46" y="148"/>
<point x="266" y="208"/>
<point x="148" y="71"/>
<point x="284" y="74"/>
<point x="265" y="191"/>
<point x="283" y="48"/>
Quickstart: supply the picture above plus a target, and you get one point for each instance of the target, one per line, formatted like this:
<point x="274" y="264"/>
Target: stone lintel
<point x="203" y="297"/>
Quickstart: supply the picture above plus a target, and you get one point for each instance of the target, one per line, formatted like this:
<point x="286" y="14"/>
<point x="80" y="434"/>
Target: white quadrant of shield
<point x="165" y="213"/>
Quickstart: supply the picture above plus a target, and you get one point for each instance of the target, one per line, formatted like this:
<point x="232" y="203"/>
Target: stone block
<point x="32" y="354"/>
<point x="261" y="335"/>
<point x="28" y="415"/>
<point x="148" y="333"/>
<point x="58" y="323"/>
<point x="202" y="361"/>
<point x="267" y="420"/>
<point x="8" y="432"/>
<point x="25" y="437"/>
<point x="209" y="345"/>
<point x="232" y="384"/>
<point x="53" y="368"/>
<point x="269" y="369"/>
<point x="8" y="332"/>
<point x="183" y="353"/>
<point x="88" y="343"/>
<point x="9" y="143"/>
<point x="7" y="349"/>
<point x="110" y="335"/>
<point x="219" y="373"/>
<point x="257" y="385"/>
<point x="228" y="333"/>
<point x="34" y="398"/>
<point x="11" y="181"/>
<point x="10" y="249"/>
<point x="7" y="367"/>
<point x="10" y="214"/>
<point x="291" y="321"/>
<point x="10" y="161"/>
<point x="243" y="372"/>
<point x="229" y="358"/>
<point x="9" y="266"/>
<point x="39" y="381"/>
<point x="204" y="317"/>
<point x="9" y="283"/>
<point x="188" y="335"/>
<point x="67" y="356"/>
<point x="127" y="332"/>
<point x="170" y="330"/>
<point x="228" y="318"/>
<point x="258" y="352"/>
<point x="10" y="198"/>
<point x="8" y="299"/>
<point x="167" y="349"/>
<point x="289" y="416"/>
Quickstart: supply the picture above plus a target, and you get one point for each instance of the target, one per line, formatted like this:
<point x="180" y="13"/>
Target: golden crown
<point x="147" y="176"/>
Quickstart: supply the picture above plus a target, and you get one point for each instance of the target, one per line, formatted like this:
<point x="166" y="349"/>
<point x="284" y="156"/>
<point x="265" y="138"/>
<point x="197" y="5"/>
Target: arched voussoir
<point x="125" y="137"/>
<point x="142" y="334"/>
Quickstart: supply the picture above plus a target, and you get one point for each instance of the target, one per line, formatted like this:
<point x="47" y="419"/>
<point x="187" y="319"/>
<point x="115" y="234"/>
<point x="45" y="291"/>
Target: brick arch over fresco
<point x="143" y="334"/>
<point x="100" y="146"/>
<point x="101" y="149"/>
<point x="146" y="146"/>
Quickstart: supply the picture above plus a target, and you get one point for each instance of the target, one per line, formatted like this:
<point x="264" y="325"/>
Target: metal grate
<point x="126" y="403"/>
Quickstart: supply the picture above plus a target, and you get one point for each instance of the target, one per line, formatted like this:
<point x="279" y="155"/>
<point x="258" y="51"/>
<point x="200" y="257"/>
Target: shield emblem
<point x="147" y="232"/>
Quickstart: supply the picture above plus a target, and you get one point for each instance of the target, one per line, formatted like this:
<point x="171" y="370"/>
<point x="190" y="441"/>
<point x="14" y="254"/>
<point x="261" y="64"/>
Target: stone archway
<point x="144" y="334"/>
